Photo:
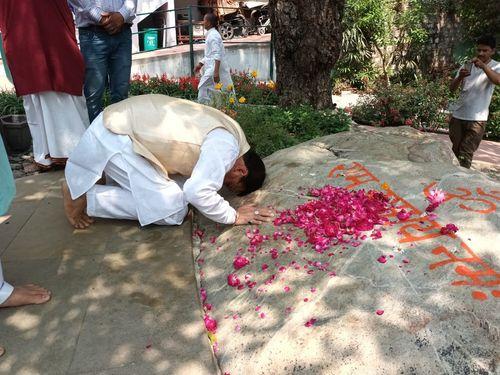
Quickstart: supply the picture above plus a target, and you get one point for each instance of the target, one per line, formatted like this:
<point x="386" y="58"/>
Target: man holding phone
<point x="477" y="79"/>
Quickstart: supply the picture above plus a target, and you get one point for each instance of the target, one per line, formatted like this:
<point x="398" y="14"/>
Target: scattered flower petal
<point x="310" y="322"/>
<point x="210" y="323"/>
<point x="382" y="259"/>
<point x="240" y="262"/>
<point x="232" y="280"/>
<point x="449" y="229"/>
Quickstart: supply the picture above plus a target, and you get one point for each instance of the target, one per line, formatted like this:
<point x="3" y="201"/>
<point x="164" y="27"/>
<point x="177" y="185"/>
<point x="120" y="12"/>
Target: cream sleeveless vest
<point x="169" y="131"/>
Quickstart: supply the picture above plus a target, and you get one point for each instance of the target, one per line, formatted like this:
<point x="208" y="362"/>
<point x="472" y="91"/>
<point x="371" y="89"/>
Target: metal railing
<point x="190" y="22"/>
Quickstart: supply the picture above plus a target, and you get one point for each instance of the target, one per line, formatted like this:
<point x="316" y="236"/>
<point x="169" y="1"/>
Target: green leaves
<point x="270" y="129"/>
<point x="10" y="104"/>
<point x="421" y="105"/>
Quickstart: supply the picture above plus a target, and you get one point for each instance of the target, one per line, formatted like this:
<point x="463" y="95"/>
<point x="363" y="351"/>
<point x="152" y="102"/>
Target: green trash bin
<point x="150" y="39"/>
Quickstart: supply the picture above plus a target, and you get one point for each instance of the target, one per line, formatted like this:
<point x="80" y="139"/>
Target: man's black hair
<point x="487" y="40"/>
<point x="256" y="172"/>
<point x="212" y="18"/>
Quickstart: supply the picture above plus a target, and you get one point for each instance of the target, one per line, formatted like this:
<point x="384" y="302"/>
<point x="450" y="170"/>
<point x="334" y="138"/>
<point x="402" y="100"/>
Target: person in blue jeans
<point x="106" y="45"/>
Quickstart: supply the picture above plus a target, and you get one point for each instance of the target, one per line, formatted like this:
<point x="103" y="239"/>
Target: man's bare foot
<point x="75" y="209"/>
<point x="30" y="294"/>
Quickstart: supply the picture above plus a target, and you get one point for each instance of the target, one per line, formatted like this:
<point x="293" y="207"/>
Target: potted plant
<point x="14" y="126"/>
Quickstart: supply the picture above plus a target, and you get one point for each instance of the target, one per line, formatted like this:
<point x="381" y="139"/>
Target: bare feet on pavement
<point x="75" y="209"/>
<point x="30" y="294"/>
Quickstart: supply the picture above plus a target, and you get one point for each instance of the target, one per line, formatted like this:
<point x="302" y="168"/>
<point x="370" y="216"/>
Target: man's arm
<point x="217" y="48"/>
<point x="87" y="8"/>
<point x="493" y="76"/>
<point x="218" y="154"/>
<point x="128" y="9"/>
<point x="457" y="81"/>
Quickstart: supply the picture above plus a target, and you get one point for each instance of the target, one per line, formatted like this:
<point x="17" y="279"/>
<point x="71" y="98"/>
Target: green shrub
<point x="493" y="125"/>
<point x="245" y="85"/>
<point x="270" y="129"/>
<point x="421" y="105"/>
<point x="10" y="104"/>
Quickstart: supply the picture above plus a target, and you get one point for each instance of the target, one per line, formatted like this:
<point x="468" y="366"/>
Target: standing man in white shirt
<point x="147" y="146"/>
<point x="477" y="80"/>
<point x="106" y="45"/>
<point x="215" y="68"/>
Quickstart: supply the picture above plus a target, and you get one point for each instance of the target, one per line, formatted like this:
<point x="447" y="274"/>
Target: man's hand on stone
<point x="251" y="214"/>
<point x="112" y="22"/>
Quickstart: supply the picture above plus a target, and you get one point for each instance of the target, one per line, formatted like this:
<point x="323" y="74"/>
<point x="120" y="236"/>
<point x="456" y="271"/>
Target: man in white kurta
<point x="160" y="154"/>
<point x="214" y="64"/>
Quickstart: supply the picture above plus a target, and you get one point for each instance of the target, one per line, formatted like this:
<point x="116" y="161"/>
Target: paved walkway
<point x="124" y="299"/>
<point x="488" y="152"/>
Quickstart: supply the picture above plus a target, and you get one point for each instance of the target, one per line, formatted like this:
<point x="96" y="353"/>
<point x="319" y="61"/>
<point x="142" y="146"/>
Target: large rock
<point x="439" y="293"/>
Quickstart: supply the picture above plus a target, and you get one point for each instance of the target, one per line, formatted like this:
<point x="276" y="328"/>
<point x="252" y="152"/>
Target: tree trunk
<point x="308" y="41"/>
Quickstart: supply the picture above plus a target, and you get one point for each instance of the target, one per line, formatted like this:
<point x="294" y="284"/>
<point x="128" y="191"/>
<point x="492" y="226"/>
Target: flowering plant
<point x="419" y="105"/>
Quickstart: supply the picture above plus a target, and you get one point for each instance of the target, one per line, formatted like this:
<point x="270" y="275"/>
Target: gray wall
<point x="240" y="57"/>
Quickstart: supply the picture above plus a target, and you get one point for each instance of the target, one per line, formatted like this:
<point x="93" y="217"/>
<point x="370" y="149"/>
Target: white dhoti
<point x="5" y="288"/>
<point x="57" y="121"/>
<point x="140" y="191"/>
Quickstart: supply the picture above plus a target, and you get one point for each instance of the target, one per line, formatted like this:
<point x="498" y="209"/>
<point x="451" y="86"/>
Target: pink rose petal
<point x="382" y="259"/>
<point x="310" y="322"/>
<point x="210" y="323"/>
<point x="240" y="262"/>
<point x="232" y="280"/>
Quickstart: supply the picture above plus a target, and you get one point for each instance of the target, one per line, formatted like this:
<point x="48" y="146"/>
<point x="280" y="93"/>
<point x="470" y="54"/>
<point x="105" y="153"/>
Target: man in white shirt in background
<point x="214" y="64"/>
<point x="477" y="80"/>
<point x="147" y="146"/>
<point x="106" y="45"/>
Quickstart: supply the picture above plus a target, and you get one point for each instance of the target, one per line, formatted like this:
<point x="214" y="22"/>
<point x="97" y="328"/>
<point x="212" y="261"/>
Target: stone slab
<point x="440" y="294"/>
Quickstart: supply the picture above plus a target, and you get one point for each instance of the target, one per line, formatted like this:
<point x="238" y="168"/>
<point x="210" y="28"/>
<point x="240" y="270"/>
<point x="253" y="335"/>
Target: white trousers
<point x="5" y="288"/>
<point x="206" y="88"/>
<point x="57" y="121"/>
<point x="115" y="199"/>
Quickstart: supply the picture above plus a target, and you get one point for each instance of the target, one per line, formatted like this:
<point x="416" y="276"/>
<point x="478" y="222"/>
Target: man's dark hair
<point x="212" y="18"/>
<point x="256" y="172"/>
<point x="487" y="40"/>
